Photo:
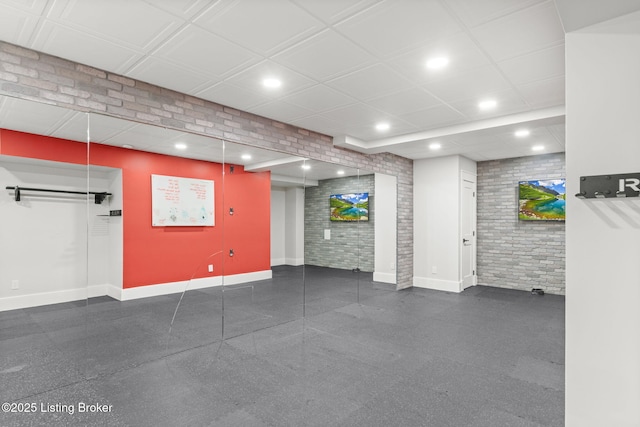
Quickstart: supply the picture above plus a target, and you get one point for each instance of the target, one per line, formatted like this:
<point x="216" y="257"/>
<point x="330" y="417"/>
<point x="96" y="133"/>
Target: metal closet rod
<point x="99" y="196"/>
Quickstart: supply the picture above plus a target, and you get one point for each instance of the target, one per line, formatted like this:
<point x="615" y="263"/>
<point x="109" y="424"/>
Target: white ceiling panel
<point x="233" y="96"/>
<point x="162" y="73"/>
<point x="84" y="48"/>
<point x="319" y="98"/>
<point x="508" y="101"/>
<point x="356" y="115"/>
<point x="324" y="56"/>
<point x="463" y="53"/>
<point x="183" y="9"/>
<point x="261" y="26"/>
<point x="252" y="77"/>
<point x="472" y="85"/>
<point x="369" y="83"/>
<point x="434" y="117"/>
<point x="545" y="93"/>
<point x="334" y="11"/>
<point x="404" y="102"/>
<point x="528" y="30"/>
<point x="116" y="21"/>
<point x="474" y="13"/>
<point x="204" y="52"/>
<point x="16" y="26"/>
<point x="540" y="65"/>
<point x="393" y="26"/>
<point x="281" y="111"/>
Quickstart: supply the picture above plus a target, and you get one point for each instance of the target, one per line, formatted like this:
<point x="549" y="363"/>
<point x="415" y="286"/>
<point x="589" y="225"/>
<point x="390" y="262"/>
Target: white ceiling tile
<point x="334" y="11"/>
<point x="251" y="78"/>
<point x="232" y="96"/>
<point x="324" y="56"/>
<point x="539" y="65"/>
<point x="508" y="102"/>
<point x="321" y="124"/>
<point x="355" y="114"/>
<point x="201" y="51"/>
<point x="526" y="31"/>
<point x="545" y="93"/>
<point x="462" y="52"/>
<point x="434" y="117"/>
<point x="83" y="48"/>
<point x="396" y="25"/>
<point x="369" y="133"/>
<point x="473" y="13"/>
<point x="117" y="22"/>
<point x="404" y="102"/>
<point x="16" y="25"/>
<point x="262" y="26"/>
<point x="281" y="111"/>
<point x="184" y="9"/>
<point x="319" y="98"/>
<point x="162" y="73"/>
<point x="371" y="82"/>
<point x="474" y="85"/>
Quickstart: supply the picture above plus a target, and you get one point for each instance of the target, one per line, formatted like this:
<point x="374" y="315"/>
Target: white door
<point x="468" y="230"/>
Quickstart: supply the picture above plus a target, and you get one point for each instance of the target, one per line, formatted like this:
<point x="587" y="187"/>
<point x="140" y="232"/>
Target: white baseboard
<point x="47" y="298"/>
<point x="384" y="277"/>
<point x="437" y="284"/>
<point x="55" y="297"/>
<point x="294" y="261"/>
<point x="247" y="277"/>
<point x="278" y="261"/>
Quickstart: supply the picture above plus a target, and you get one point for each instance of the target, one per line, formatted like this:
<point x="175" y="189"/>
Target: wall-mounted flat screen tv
<point x="542" y="200"/>
<point x="349" y="207"/>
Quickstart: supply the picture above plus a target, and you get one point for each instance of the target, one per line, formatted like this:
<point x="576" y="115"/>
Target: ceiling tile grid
<point x="345" y="65"/>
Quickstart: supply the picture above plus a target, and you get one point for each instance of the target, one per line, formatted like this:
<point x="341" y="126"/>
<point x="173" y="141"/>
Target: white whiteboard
<point x="177" y="201"/>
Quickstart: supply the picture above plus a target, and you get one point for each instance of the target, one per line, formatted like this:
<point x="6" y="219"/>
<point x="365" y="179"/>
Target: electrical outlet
<point x="210" y="268"/>
<point x="15" y="284"/>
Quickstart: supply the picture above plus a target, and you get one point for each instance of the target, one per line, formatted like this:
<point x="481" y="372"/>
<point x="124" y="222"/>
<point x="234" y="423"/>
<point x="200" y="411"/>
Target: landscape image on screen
<point x="542" y="200"/>
<point x="349" y="207"/>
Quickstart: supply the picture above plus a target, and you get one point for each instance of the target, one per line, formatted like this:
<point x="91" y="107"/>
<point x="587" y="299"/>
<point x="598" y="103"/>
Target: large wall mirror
<point x="146" y="269"/>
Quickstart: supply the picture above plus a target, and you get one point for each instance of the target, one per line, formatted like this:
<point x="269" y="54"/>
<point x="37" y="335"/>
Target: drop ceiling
<point x="345" y="65"/>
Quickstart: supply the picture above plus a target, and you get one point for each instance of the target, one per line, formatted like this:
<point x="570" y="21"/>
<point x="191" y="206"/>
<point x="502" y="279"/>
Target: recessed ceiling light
<point x="435" y="146"/>
<point x="537" y="147"/>
<point x="340" y="172"/>
<point x="522" y="133"/>
<point x="272" y="83"/>
<point x="381" y="127"/>
<point x="437" y="63"/>
<point x="306" y="167"/>
<point x="487" y="104"/>
<point x="181" y="146"/>
<point x="246" y="157"/>
<point x="127" y="146"/>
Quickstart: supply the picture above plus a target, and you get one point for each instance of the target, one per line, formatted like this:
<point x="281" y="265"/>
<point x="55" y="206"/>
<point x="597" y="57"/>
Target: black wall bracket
<point x="609" y="186"/>
<point x="98" y="196"/>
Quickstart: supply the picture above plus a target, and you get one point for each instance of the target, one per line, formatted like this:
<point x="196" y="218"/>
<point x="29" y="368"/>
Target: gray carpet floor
<point x="341" y="350"/>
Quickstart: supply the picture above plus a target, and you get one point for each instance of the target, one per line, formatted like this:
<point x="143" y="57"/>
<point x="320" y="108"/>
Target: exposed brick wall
<point x="512" y="253"/>
<point x="351" y="244"/>
<point x="31" y="75"/>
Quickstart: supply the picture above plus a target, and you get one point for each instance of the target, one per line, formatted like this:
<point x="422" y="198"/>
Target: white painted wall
<point x="436" y="224"/>
<point x="59" y="249"/>
<point x="603" y="236"/>
<point x="278" y="216"/>
<point x="294" y="226"/>
<point x="385" y="228"/>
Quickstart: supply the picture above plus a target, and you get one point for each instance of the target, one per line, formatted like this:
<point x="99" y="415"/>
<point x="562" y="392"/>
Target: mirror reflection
<point x="149" y="271"/>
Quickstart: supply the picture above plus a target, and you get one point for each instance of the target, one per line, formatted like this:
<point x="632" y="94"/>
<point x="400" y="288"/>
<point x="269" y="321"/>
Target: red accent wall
<point x="154" y="255"/>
